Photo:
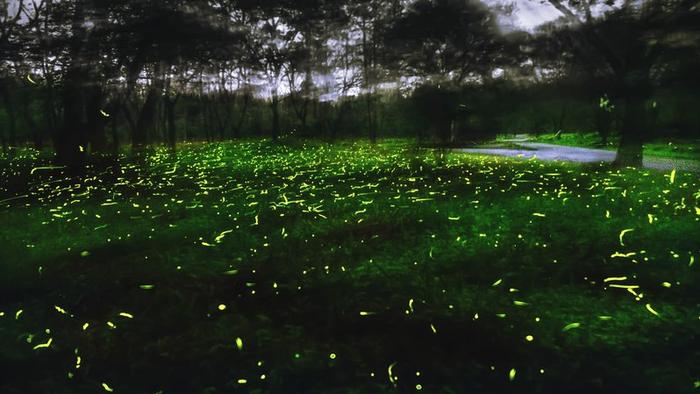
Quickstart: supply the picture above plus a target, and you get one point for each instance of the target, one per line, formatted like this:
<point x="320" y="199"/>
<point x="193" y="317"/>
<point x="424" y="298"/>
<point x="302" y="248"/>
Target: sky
<point x="531" y="13"/>
<point x="527" y="15"/>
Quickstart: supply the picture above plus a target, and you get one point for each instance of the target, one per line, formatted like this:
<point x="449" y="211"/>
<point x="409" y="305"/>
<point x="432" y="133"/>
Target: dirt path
<point x="549" y="152"/>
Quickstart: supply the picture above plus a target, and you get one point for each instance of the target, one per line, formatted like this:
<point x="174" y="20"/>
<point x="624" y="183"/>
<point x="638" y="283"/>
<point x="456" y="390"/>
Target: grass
<point x="296" y="267"/>
<point x="669" y="148"/>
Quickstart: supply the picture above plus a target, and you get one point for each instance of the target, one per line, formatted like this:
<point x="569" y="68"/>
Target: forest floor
<point x="260" y="267"/>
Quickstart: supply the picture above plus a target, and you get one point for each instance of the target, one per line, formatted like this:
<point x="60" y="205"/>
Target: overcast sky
<point x="530" y="14"/>
<point x="527" y="15"/>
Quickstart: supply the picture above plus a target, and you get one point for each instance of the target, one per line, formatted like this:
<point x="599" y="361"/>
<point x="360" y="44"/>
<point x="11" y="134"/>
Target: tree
<point x="369" y="21"/>
<point x="447" y="41"/>
<point x="630" y="41"/>
<point x="446" y="44"/>
<point x="10" y="15"/>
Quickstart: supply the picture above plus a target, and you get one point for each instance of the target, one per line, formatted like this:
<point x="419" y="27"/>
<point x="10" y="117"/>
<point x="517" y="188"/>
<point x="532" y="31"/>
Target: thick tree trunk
<point x="630" y="150"/>
<point x="636" y="91"/>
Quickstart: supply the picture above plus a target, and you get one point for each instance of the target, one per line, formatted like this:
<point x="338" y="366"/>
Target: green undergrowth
<point x="303" y="267"/>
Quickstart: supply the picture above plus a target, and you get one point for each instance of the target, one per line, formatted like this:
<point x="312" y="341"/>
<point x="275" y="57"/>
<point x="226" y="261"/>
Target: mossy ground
<point x="336" y="262"/>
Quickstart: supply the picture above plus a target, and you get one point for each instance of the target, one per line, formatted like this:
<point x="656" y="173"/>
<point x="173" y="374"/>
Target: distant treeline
<point x="429" y="114"/>
<point x="94" y="75"/>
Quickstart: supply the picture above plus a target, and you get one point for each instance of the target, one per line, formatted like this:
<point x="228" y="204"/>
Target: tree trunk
<point x="50" y="105"/>
<point x="603" y="124"/>
<point x="187" y="125"/>
<point x="115" y="136"/>
<point x="146" y="120"/>
<point x="37" y="137"/>
<point x="275" y="116"/>
<point x="71" y="140"/>
<point x="3" y="141"/>
<point x="630" y="150"/>
<point x="171" y="125"/>
<point x="244" y="112"/>
<point x="343" y="108"/>
<point x="49" y="113"/>
<point x="370" y="119"/>
<point x="11" y="116"/>
<point x="96" y="122"/>
<point x="636" y="91"/>
<point x="147" y="117"/>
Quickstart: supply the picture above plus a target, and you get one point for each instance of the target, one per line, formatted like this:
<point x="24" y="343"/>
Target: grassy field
<point x="257" y="267"/>
<point x="676" y="149"/>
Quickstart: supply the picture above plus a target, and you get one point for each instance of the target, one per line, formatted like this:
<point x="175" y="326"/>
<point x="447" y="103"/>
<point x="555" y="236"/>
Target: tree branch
<point x="593" y="37"/>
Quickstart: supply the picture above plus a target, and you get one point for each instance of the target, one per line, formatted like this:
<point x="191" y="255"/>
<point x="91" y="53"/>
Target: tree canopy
<point x="281" y="66"/>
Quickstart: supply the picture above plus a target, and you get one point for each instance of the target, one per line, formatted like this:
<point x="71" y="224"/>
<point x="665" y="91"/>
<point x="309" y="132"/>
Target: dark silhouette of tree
<point x="446" y="43"/>
<point x="630" y="43"/>
<point x="10" y="15"/>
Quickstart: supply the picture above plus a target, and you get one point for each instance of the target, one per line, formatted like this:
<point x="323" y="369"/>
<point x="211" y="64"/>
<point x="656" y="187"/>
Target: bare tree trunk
<point x="244" y="112"/>
<point x="96" y="122"/>
<point x="49" y="112"/>
<point x="370" y="119"/>
<point x="366" y="65"/>
<point x="275" y="116"/>
<point x="147" y="117"/>
<point x="171" y="125"/>
<point x="35" y="130"/>
<point x="187" y="125"/>
<point x="636" y="91"/>
<point x="71" y="141"/>
<point x="11" y="116"/>
<point x="115" y="136"/>
<point x="72" y="138"/>
<point x="3" y="141"/>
